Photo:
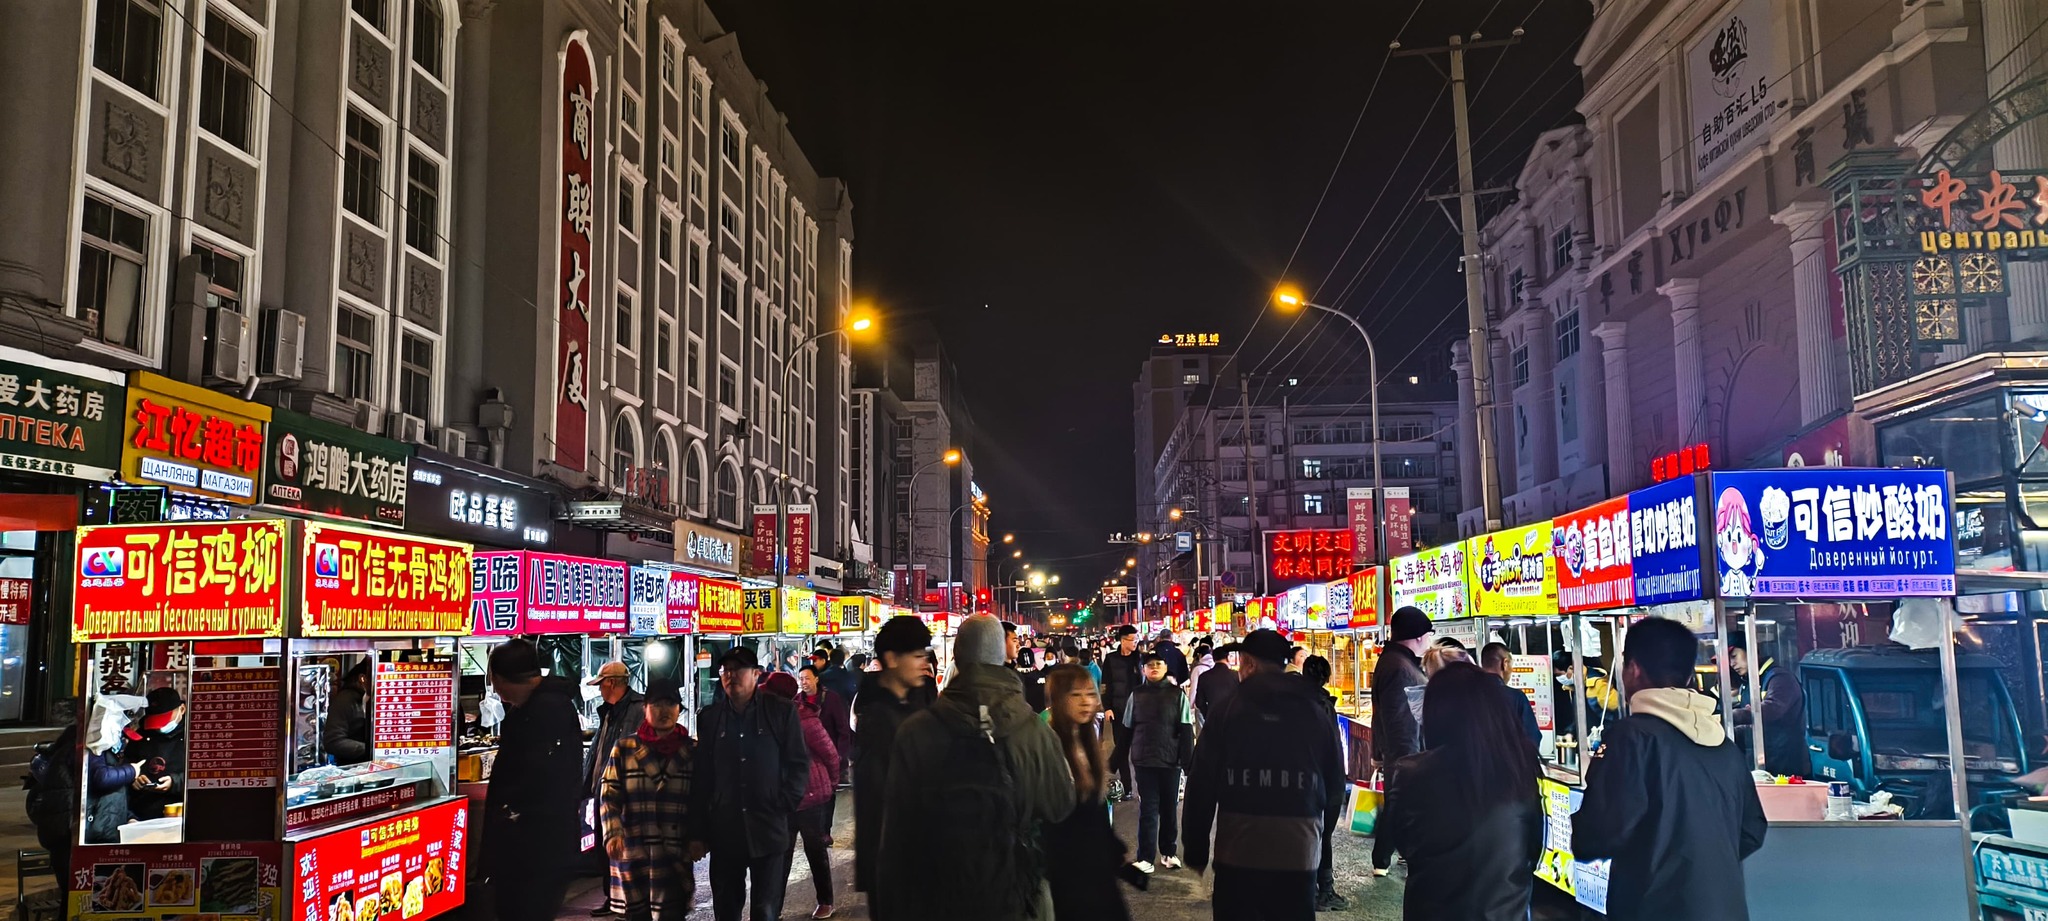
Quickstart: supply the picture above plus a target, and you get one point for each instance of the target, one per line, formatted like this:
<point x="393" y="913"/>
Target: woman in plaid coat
<point x="645" y="801"/>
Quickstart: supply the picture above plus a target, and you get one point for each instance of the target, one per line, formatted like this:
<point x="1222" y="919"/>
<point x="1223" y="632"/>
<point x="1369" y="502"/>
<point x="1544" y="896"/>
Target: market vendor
<point x="347" y="733"/>
<point x="158" y="754"/>
<point x="1782" y="711"/>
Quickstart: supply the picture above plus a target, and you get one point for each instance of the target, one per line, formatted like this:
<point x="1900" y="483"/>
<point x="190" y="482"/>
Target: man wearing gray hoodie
<point x="1669" y="797"/>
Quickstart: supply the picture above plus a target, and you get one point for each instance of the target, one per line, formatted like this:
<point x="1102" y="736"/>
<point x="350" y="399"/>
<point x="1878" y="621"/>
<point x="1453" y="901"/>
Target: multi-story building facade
<point x="909" y="414"/>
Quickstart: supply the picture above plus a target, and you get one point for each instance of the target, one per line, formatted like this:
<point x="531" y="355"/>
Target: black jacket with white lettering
<point x="1267" y="765"/>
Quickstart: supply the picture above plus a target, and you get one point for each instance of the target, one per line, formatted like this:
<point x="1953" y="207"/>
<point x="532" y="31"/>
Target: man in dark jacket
<point x="1119" y="679"/>
<point x="347" y="733"/>
<point x="939" y="863"/>
<point x="836" y="677"/>
<point x="1782" y="712"/>
<point x="1669" y="798"/>
<point x="1395" y="734"/>
<point x="1267" y="769"/>
<point x="751" y="771"/>
<point x="1162" y="739"/>
<point x="1214" y="687"/>
<point x="1497" y="660"/>
<point x="621" y="713"/>
<point x="530" y="830"/>
<point x="159" y="755"/>
<point x="1176" y="661"/>
<point x="886" y="699"/>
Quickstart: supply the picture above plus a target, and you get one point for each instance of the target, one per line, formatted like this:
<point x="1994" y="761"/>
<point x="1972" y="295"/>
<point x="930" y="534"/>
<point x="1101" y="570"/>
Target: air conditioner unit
<point x="227" y="353"/>
<point x="408" y="429"/>
<point x="455" y="441"/>
<point x="281" y="345"/>
<point x="369" y="418"/>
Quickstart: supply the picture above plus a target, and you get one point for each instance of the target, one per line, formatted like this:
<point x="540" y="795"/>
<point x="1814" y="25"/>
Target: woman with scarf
<point x="813" y="817"/>
<point x="1083" y="855"/>
<point x="645" y="799"/>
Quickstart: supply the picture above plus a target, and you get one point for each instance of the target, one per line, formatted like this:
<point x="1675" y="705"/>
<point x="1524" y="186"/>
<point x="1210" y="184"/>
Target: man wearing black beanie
<point x="1395" y="734"/>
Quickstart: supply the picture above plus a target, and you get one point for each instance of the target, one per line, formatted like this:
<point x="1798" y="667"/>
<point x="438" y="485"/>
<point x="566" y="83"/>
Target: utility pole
<point x="1477" y="333"/>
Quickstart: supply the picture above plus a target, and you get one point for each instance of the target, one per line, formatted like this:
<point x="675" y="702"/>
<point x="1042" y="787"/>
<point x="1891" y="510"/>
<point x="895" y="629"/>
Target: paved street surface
<point x="1176" y="895"/>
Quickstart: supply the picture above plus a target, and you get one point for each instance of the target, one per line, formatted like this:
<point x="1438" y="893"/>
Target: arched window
<point x="427" y="38"/>
<point x="693" y="478"/>
<point x="729" y="493"/>
<point x="761" y="494"/>
<point x="664" y="462"/>
<point x="625" y="449"/>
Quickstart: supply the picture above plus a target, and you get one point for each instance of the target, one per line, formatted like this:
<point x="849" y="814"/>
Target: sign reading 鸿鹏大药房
<point x="318" y="466"/>
<point x="1833" y="532"/>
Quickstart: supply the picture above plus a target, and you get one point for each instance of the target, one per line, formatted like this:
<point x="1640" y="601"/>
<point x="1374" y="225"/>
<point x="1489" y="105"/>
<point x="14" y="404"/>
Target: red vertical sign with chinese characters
<point x="578" y="206"/>
<point x="763" y="557"/>
<point x="236" y="737"/>
<point x="414" y="704"/>
<point x="799" y="548"/>
<point x="1400" y="522"/>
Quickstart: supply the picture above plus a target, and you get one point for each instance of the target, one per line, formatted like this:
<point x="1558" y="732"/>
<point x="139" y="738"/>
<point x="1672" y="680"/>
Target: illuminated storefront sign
<point x="1318" y="554"/>
<point x="1595" y="559"/>
<point x="1365" y="599"/>
<point x="1664" y="540"/>
<point x="334" y="470"/>
<point x="1833" y="532"/>
<point x="575" y="263"/>
<point x="57" y="417"/>
<point x="373" y="583"/>
<point x="1431" y="580"/>
<point x="214" y="580"/>
<point x="721" y="607"/>
<point x="1995" y="216"/>
<point x="192" y="439"/>
<point x="1511" y="572"/>
<point x="449" y="501"/>
<point x="1191" y="340"/>
<point x="522" y="591"/>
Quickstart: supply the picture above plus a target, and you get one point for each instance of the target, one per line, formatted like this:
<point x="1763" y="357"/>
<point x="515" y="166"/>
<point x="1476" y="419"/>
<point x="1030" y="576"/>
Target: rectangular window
<point x="625" y="332"/>
<point x="696" y="273"/>
<point x="1567" y="327"/>
<point x="669" y="160"/>
<point x="226" y="81"/>
<point x="355" y="337"/>
<point x="127" y="41"/>
<point x="729" y="220"/>
<point x="1518" y="360"/>
<point x="1308" y="434"/>
<point x="696" y="99"/>
<point x="362" y="168"/>
<point x="1411" y="466"/>
<point x="223" y="271"/>
<point x="629" y="20"/>
<point x="668" y="64"/>
<point x="1561" y="248"/>
<point x="1312" y="503"/>
<point x="426" y="37"/>
<point x="1191" y="378"/>
<point x="1567" y="404"/>
<point x="1311" y="468"/>
<point x="697" y="185"/>
<point x="422" y="204"/>
<point x="667" y="241"/>
<point x="629" y="112"/>
<point x="416" y="377"/>
<point x="664" y="341"/>
<point x="372" y="12"/>
<point x="728" y="386"/>
<point x="1517" y="280"/>
<point x="693" y="363"/>
<point x="729" y="145"/>
<point x="729" y="295"/>
<point x="110" y="271"/>
<point x="626" y="206"/>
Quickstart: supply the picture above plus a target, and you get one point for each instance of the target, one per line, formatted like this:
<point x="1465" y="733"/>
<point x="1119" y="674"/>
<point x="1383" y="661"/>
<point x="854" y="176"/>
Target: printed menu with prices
<point x="236" y="736"/>
<point x="413" y="703"/>
<point x="228" y="880"/>
<point x="408" y="866"/>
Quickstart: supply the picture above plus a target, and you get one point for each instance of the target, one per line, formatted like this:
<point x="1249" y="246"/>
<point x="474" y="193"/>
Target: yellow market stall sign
<point x="1512" y="572"/>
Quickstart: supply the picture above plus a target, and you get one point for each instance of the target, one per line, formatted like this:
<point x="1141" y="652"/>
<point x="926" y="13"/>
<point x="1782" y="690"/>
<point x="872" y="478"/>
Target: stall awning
<point x="1991" y="582"/>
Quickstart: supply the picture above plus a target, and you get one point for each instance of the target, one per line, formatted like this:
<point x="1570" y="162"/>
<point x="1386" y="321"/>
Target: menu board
<point x="721" y="607"/>
<point x="1585" y="880"/>
<point x="800" y="612"/>
<point x="1831" y="532"/>
<point x="225" y="880"/>
<point x="235" y="739"/>
<point x="413" y="703"/>
<point x="409" y="866"/>
<point x="1337" y="610"/>
<point x="376" y="583"/>
<point x="184" y="580"/>
<point x="1511" y="571"/>
<point x="1432" y="580"/>
<point x="647" y="604"/>
<point x="1595" y="558"/>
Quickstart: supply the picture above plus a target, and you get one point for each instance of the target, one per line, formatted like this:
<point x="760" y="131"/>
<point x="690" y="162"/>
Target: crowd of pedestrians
<point x="992" y="797"/>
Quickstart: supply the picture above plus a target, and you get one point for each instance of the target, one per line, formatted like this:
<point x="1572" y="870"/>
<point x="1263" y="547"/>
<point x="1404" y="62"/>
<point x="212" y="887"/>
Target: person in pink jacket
<point x="813" y="816"/>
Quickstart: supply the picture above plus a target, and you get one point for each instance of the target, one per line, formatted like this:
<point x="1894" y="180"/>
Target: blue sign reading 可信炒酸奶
<point x="1832" y="532"/>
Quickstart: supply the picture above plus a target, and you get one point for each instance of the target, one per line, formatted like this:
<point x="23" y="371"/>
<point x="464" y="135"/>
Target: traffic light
<point x="981" y="599"/>
<point x="1173" y="593"/>
<point x="1082" y="615"/>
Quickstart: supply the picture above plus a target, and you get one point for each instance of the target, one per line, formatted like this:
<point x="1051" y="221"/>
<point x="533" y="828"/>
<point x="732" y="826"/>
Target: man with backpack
<point x="972" y="781"/>
<point x="1267" y="768"/>
<point x="751" y="772"/>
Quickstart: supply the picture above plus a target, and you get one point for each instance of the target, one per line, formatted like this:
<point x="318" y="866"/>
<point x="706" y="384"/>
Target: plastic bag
<point x="109" y="718"/>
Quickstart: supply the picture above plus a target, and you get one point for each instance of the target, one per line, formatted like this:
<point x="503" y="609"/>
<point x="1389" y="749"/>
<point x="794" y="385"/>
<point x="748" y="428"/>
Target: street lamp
<point x="1130" y="561"/>
<point x="1291" y="299"/>
<point x="1009" y="538"/>
<point x="950" y="458"/>
<point x="860" y="322"/>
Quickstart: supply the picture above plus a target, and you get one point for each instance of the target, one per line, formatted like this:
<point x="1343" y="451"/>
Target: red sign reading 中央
<point x="1311" y="555"/>
<point x="575" y="266"/>
<point x="184" y="580"/>
<point x="235" y="739"/>
<point x="15" y="601"/>
<point x="684" y="590"/>
<point x="373" y="583"/>
<point x="721" y="607"/>
<point x="1595" y="567"/>
<point x="411" y="865"/>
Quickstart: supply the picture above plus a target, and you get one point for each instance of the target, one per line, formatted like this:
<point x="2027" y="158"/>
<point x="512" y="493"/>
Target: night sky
<point x="1054" y="192"/>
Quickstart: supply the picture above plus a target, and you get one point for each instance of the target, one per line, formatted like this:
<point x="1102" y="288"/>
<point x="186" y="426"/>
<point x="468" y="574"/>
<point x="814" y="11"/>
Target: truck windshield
<point x="1904" y="709"/>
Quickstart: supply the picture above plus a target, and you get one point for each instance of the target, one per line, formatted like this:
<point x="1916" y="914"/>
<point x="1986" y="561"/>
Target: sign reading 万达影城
<point x="1664" y="534"/>
<point x="188" y="580"/>
<point x="1735" y="102"/>
<point x="372" y="583"/>
<point x="192" y="439"/>
<point x="449" y="501"/>
<point x="1595" y="559"/>
<point x="57" y="417"/>
<point x="1512" y="572"/>
<point x="1431" y="580"/>
<point x="318" y="466"/>
<point x="1309" y="555"/>
<point x="1191" y="340"/>
<point x="1833" y="532"/>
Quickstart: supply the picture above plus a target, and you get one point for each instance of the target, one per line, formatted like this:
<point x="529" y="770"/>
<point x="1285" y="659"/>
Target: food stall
<point x="282" y="803"/>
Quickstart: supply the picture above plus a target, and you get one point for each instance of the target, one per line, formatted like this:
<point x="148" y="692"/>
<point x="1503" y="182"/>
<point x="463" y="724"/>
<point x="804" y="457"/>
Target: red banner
<point x="919" y="575"/>
<point x="236" y="740"/>
<point x="684" y="593"/>
<point x="16" y="600"/>
<point x="1312" y="555"/>
<point x="763" y="557"/>
<point x="415" y="701"/>
<point x="185" y="580"/>
<point x="580" y="137"/>
<point x="1595" y="566"/>
<point x="201" y="879"/>
<point x="1358" y="511"/>
<point x="1365" y="598"/>
<point x="1400" y="523"/>
<point x="411" y="865"/>
<point x="899" y="587"/>
<point x="523" y="591"/>
<point x="721" y="607"/>
<point x="376" y="583"/>
<point x="495" y="605"/>
<point x="799" y="549"/>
